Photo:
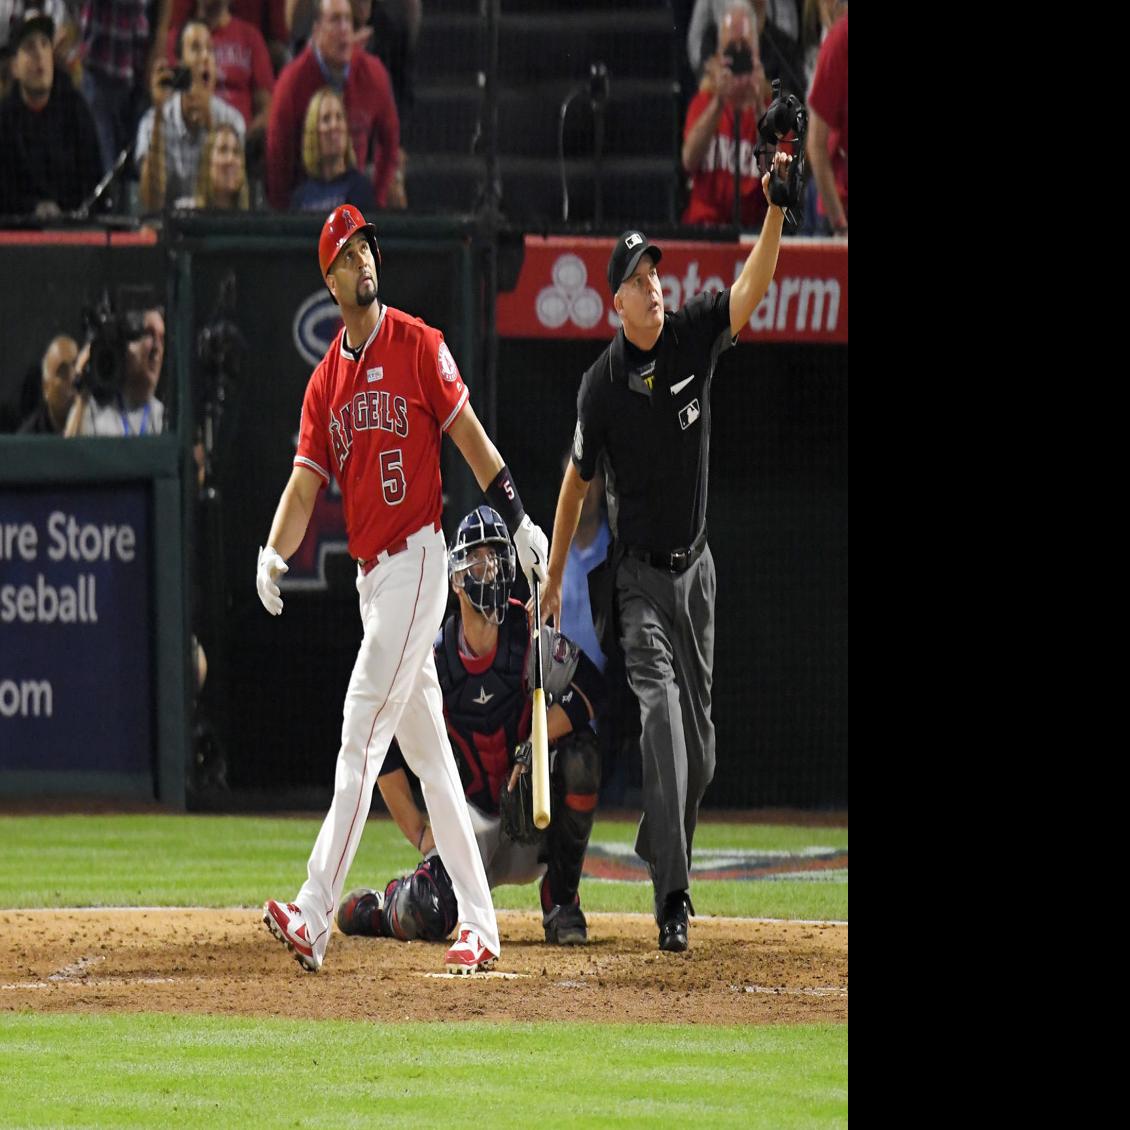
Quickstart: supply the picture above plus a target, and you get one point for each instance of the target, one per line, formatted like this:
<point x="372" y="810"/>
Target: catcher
<point x="485" y="664"/>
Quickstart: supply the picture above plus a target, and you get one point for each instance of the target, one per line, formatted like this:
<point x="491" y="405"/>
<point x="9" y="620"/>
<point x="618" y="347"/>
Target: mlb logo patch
<point x="375" y="374"/>
<point x="689" y="414"/>
<point x="634" y="240"/>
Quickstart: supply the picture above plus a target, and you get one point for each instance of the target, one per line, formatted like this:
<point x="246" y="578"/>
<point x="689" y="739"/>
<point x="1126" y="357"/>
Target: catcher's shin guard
<point x="576" y="783"/>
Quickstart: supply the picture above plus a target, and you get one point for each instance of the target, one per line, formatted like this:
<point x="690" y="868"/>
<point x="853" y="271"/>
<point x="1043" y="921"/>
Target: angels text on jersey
<point x="371" y="409"/>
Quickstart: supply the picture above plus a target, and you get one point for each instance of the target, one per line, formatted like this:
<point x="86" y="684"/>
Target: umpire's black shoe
<point x="673" y="922"/>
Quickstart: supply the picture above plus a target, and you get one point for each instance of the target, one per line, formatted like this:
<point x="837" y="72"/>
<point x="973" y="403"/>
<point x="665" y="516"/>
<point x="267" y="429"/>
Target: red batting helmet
<point x="341" y="225"/>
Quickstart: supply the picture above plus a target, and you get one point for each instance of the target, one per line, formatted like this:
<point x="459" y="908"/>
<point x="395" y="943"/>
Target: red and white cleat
<point x="469" y="955"/>
<point x="287" y="923"/>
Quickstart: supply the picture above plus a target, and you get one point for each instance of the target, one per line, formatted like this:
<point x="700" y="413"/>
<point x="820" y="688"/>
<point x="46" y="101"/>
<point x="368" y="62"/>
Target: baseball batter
<point x="644" y="410"/>
<point x="373" y="416"/>
<point x="485" y="664"/>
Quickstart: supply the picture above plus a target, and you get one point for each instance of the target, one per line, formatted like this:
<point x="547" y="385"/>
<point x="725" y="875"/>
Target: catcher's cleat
<point x="469" y="954"/>
<point x="673" y="922"/>
<point x="564" y="925"/>
<point x="360" y="912"/>
<point x="289" y="925"/>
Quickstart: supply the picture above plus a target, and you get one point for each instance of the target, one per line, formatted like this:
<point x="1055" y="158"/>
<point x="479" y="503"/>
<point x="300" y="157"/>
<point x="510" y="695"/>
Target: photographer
<point x="118" y="375"/>
<point x="733" y="94"/>
<point x="171" y="136"/>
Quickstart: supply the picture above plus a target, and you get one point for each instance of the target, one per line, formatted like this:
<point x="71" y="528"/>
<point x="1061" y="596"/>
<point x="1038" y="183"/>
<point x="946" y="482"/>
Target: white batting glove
<point x="533" y="550"/>
<point x="271" y="565"/>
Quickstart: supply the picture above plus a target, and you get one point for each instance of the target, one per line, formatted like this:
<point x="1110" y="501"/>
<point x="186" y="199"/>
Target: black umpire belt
<point x="675" y="561"/>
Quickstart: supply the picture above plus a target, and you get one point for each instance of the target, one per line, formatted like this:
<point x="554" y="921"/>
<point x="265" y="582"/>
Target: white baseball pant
<point x="394" y="690"/>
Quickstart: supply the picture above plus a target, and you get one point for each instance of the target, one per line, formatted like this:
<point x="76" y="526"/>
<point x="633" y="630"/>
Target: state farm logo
<point x="316" y="324"/>
<point x="569" y="299"/>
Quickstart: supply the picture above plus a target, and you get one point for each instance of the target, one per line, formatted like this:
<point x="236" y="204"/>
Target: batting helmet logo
<point x="340" y="226"/>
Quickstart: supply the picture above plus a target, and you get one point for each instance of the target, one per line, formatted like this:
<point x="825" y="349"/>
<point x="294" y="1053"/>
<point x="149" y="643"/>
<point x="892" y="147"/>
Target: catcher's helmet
<point x="341" y="225"/>
<point x="486" y="579"/>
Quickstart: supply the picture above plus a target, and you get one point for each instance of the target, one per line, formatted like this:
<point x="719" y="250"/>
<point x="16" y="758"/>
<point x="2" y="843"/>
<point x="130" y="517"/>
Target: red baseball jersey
<point x="376" y="425"/>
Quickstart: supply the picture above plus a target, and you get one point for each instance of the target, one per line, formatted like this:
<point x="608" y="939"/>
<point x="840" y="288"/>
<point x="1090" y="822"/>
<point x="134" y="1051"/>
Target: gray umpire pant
<point x="667" y="634"/>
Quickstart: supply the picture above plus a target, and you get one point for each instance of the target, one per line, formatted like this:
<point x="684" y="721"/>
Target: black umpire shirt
<point x="649" y="414"/>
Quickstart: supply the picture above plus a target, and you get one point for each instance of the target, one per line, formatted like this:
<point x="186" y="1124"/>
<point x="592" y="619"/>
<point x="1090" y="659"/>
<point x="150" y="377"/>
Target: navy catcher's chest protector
<point x="486" y="713"/>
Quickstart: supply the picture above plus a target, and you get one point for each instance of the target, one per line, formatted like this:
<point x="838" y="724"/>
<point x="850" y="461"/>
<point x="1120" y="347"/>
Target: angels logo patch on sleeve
<point x="447" y="367"/>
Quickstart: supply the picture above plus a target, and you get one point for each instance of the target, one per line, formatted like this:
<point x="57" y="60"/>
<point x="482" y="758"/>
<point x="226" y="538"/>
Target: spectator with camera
<point x="222" y="183"/>
<point x="57" y="371"/>
<point x="171" y="136"/>
<point x="777" y="37"/>
<point x="333" y="58"/>
<point x="50" y="152"/>
<point x="721" y="128"/>
<point x="332" y="176"/>
<point x="244" y="78"/>
<point x="119" y="368"/>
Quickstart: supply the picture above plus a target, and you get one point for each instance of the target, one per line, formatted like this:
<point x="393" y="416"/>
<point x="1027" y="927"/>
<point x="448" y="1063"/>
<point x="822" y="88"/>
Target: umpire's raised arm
<point x="751" y="285"/>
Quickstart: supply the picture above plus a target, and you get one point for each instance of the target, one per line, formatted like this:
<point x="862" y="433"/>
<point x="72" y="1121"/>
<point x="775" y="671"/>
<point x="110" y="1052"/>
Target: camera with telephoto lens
<point x="109" y="336"/>
<point x="740" y="57"/>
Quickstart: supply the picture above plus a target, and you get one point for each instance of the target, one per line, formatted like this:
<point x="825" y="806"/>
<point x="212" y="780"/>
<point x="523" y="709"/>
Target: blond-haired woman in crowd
<point x="222" y="182"/>
<point x="332" y="176"/>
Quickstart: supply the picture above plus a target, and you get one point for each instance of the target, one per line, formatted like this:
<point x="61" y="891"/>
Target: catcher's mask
<point x="341" y="225"/>
<point x="481" y="562"/>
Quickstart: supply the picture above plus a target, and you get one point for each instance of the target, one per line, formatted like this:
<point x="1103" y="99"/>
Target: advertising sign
<point x="562" y="290"/>
<point x="75" y="671"/>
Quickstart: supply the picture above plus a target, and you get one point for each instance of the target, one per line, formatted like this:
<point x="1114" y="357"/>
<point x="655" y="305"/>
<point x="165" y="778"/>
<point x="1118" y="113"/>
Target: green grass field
<point x="221" y="861"/>
<point x="157" y="1070"/>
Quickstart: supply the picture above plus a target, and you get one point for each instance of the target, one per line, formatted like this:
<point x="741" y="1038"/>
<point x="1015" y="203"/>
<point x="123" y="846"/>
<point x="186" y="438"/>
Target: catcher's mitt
<point x="516" y="806"/>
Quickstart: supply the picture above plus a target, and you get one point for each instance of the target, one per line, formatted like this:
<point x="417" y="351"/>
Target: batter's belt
<point x="367" y="565"/>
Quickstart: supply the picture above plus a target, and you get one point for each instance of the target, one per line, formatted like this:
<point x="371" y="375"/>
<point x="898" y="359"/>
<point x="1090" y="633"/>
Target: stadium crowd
<point x="134" y="106"/>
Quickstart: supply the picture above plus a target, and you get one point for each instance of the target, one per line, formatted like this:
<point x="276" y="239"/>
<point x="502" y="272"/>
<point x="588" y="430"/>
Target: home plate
<point x="494" y="973"/>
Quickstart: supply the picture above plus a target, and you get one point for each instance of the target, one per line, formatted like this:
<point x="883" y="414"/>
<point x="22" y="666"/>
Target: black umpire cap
<point x="630" y="248"/>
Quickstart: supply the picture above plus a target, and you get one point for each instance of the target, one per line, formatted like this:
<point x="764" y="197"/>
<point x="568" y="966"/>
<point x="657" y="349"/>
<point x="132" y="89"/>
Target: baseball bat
<point x="540" y="734"/>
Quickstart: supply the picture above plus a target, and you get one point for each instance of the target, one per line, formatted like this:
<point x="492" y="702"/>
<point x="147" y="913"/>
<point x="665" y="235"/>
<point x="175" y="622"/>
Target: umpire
<point x="644" y="407"/>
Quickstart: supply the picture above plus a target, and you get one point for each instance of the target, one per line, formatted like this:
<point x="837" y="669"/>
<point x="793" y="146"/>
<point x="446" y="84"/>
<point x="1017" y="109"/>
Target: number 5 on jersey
<point x="392" y="476"/>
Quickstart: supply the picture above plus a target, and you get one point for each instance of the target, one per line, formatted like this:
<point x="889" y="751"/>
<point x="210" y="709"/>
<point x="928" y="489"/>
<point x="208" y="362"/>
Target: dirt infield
<point x="738" y="971"/>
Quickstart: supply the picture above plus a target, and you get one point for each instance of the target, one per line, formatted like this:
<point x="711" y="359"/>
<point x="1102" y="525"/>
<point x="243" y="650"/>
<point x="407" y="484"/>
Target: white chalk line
<point x="495" y="974"/>
<point x="822" y="991"/>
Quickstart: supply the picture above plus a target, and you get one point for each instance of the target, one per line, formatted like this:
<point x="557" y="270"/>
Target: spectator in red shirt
<point x="729" y="102"/>
<point x="828" y="126"/>
<point x="244" y="77"/>
<point x="268" y="17"/>
<point x="333" y="58"/>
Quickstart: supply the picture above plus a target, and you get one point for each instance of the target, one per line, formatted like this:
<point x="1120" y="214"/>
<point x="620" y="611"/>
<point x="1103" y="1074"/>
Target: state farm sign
<point x="562" y="289"/>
